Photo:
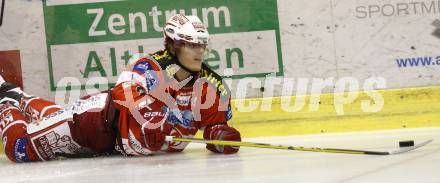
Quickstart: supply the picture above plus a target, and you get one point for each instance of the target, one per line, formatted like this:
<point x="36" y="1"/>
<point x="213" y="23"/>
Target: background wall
<point x="291" y="38"/>
<point x="397" y="40"/>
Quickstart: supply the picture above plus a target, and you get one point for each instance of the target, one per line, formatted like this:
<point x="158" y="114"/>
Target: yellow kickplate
<point x="403" y="108"/>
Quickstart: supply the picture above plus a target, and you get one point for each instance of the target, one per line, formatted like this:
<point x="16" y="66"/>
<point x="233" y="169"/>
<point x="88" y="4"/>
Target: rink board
<point x="403" y="108"/>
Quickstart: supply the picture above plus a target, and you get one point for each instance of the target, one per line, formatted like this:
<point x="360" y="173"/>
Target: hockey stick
<point x="1" y="12"/>
<point x="311" y="149"/>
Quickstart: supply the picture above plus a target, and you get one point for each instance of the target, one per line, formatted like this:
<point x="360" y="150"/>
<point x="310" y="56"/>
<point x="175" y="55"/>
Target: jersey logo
<point x="215" y="81"/>
<point x="142" y="67"/>
<point x="183" y="100"/>
<point x="20" y="150"/>
<point x="151" y="79"/>
<point x="6" y="119"/>
<point x="161" y="55"/>
<point x="153" y="114"/>
<point x="183" y="118"/>
<point x="228" y="113"/>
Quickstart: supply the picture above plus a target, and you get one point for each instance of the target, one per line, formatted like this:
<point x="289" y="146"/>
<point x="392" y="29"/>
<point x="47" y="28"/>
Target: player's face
<point x="190" y="55"/>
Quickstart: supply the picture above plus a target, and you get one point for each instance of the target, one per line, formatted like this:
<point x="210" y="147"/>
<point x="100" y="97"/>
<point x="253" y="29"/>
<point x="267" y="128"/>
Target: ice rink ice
<point x="196" y="164"/>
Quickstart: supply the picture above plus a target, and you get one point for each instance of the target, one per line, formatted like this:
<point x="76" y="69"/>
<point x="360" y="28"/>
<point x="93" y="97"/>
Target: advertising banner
<point x="97" y="39"/>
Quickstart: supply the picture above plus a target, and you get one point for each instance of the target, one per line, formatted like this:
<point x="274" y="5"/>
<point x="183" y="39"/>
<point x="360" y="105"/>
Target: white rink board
<point x="196" y="164"/>
<point x="264" y="58"/>
<point x="327" y="39"/>
<point x="370" y="46"/>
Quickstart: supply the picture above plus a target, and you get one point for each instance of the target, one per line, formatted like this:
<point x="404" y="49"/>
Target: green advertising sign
<point x="97" y="39"/>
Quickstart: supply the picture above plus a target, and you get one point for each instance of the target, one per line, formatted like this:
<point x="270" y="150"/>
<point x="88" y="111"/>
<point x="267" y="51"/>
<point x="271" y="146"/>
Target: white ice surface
<point x="253" y="164"/>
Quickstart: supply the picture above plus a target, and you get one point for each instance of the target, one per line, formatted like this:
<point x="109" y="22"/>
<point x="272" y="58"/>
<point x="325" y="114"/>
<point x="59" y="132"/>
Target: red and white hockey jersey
<point x="147" y="94"/>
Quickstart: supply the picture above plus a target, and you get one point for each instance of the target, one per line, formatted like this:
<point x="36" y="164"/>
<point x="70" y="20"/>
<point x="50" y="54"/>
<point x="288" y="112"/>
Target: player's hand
<point x="222" y="132"/>
<point x="153" y="138"/>
<point x="153" y="129"/>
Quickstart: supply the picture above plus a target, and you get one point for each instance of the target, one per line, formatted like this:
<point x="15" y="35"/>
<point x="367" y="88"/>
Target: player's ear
<point x="171" y="49"/>
<point x="170" y="46"/>
<point x="175" y="48"/>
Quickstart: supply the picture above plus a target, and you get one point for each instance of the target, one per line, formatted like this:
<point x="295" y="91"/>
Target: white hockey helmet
<point x="186" y="28"/>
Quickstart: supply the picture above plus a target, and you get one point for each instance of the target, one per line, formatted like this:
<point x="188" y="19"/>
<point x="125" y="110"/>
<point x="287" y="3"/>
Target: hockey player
<point x="170" y="92"/>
